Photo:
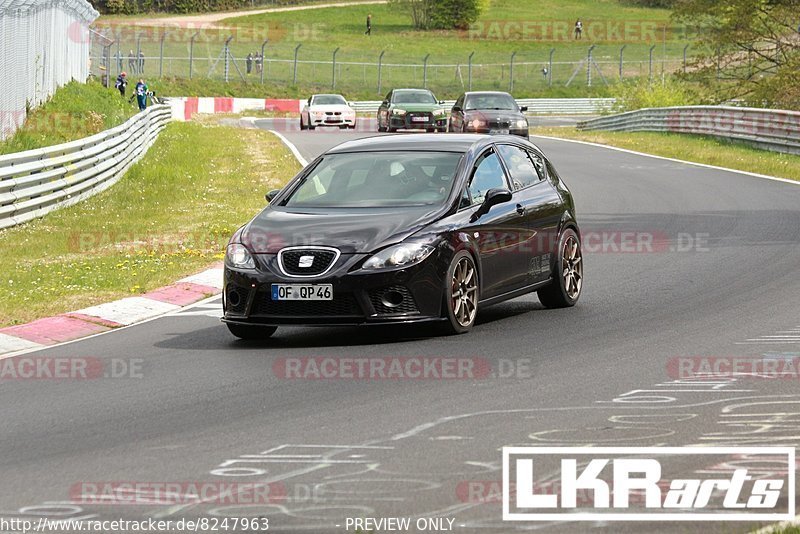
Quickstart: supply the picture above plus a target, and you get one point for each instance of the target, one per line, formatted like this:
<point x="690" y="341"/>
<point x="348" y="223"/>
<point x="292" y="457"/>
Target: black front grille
<point x="499" y="124"/>
<point x="321" y="260"/>
<point x="382" y="303"/>
<point x="342" y="305"/>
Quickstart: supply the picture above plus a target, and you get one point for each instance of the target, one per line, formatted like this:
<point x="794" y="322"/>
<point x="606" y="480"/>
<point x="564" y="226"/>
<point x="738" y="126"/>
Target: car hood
<point x="418" y="107"/>
<point x="495" y="114"/>
<point x="349" y="230"/>
<point x="330" y="107"/>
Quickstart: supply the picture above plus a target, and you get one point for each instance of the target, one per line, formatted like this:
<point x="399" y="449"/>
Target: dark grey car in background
<point x="488" y="112"/>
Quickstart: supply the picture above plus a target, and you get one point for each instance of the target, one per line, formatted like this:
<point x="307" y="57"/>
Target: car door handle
<point x="520" y="209"/>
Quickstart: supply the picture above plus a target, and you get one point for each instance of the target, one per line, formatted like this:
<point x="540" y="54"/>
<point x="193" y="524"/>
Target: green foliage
<point x="75" y="110"/>
<point x="668" y="92"/>
<point x="440" y="14"/>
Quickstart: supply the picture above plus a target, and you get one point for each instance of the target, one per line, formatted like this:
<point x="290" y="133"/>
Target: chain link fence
<point x="217" y="55"/>
<point x="44" y="44"/>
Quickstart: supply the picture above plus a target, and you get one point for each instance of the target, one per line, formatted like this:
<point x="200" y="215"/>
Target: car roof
<point x="423" y="142"/>
<point x="473" y="93"/>
<point x="327" y="94"/>
<point x="412" y="89"/>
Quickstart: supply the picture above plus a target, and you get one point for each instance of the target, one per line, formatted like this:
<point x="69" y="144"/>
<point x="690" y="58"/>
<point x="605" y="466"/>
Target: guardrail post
<point x="621" y="60"/>
<point x="589" y="67"/>
<point x="650" y="71"/>
<point x="550" y="68"/>
<point x="425" y="71"/>
<point x="380" y="70"/>
<point x="684" y="57"/>
<point x="191" y="53"/>
<point x="161" y="55"/>
<point x="263" y="63"/>
<point x="294" y="71"/>
<point x="511" y="72"/>
<point x="333" y="83"/>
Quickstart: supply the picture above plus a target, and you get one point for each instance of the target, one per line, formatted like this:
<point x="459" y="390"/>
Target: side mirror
<point x="524" y="108"/>
<point x="456" y="108"/>
<point x="385" y="102"/>
<point x="441" y="101"/>
<point x="493" y="197"/>
<point x="272" y="194"/>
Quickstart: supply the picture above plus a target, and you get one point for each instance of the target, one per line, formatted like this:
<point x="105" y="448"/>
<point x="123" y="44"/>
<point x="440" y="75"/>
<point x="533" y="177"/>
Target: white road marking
<point x="291" y="147"/>
<point x="704" y="165"/>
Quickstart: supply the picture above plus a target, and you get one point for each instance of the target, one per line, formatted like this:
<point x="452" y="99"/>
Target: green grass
<point x="320" y="31"/>
<point x="171" y="215"/>
<point x="699" y="149"/>
<point x="75" y="110"/>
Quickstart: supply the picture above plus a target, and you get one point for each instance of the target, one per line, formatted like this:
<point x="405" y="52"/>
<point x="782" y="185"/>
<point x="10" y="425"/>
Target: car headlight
<point x="476" y="123"/>
<point x="399" y="111"/>
<point x="237" y="255"/>
<point x="522" y="123"/>
<point x="402" y="255"/>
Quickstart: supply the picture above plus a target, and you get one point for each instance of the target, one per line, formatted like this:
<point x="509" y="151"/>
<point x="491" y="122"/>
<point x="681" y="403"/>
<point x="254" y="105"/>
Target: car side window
<point x="520" y="165"/>
<point x="538" y="162"/>
<point x="488" y="174"/>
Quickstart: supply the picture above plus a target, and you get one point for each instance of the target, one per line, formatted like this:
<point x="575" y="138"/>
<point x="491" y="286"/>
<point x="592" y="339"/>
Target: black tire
<point x="443" y="129"/>
<point x="390" y="129"/>
<point x="302" y="125"/>
<point x="565" y="290"/>
<point x="381" y="129"/>
<point x="311" y="127"/>
<point x="248" y="332"/>
<point x="460" y="317"/>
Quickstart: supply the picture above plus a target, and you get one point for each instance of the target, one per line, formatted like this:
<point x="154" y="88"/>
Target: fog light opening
<point x="392" y="299"/>
<point x="234" y="299"/>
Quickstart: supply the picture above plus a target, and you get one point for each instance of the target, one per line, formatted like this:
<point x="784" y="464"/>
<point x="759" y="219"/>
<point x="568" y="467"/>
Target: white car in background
<point x="327" y="110"/>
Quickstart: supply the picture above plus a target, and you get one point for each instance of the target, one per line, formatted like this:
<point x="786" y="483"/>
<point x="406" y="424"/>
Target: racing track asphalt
<point x="407" y="447"/>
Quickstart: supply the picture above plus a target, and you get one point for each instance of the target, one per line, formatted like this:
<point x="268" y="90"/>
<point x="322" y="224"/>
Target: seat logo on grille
<point x="305" y="262"/>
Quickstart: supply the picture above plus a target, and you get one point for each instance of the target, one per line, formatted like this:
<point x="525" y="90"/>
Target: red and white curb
<point x="111" y="315"/>
<point x="184" y="107"/>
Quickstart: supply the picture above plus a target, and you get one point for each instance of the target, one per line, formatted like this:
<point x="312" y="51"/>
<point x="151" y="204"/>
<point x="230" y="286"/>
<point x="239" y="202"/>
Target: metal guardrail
<point x="560" y="106"/>
<point x="36" y="182"/>
<point x="775" y="130"/>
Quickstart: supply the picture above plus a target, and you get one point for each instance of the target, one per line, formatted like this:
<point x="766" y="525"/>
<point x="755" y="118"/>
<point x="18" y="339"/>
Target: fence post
<point x="469" y="71"/>
<point x="425" y="71"/>
<point x="191" y="53"/>
<point x="107" y="61"/>
<point x="719" y="62"/>
<point x="333" y="84"/>
<point x="650" y="71"/>
<point x="684" y="58"/>
<point x="550" y="68"/>
<point x="263" y="63"/>
<point x="138" y="60"/>
<point x="621" y="60"/>
<point x="589" y="67"/>
<point x="226" y="51"/>
<point x="511" y="72"/>
<point x="380" y="69"/>
<point x="161" y="55"/>
<point x="294" y="72"/>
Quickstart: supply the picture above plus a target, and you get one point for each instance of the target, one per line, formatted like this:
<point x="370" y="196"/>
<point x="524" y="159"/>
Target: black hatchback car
<point x="489" y="112"/>
<point x="405" y="229"/>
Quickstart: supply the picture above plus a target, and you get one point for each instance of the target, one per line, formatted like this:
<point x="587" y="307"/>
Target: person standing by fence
<point x="132" y="62"/>
<point x="369" y="25"/>
<point x="248" y="61"/>
<point x="578" y="29"/>
<point x="140" y="92"/>
<point x="141" y="62"/>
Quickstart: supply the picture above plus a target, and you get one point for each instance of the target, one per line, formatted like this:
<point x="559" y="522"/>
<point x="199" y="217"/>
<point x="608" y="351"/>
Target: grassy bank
<point x="699" y="149"/>
<point x="75" y="110"/>
<point x="171" y="215"/>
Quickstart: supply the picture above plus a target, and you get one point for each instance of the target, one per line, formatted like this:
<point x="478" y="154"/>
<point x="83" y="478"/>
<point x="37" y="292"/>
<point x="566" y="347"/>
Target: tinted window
<point x="520" y="166"/>
<point x="329" y="100"/>
<point x="413" y="97"/>
<point x="491" y="101"/>
<point x="374" y="179"/>
<point x="488" y="175"/>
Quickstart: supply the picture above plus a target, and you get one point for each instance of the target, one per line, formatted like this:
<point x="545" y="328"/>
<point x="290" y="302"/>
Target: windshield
<point x="499" y="101"/>
<point x="414" y="97"/>
<point x="328" y="100"/>
<point x="376" y="179"/>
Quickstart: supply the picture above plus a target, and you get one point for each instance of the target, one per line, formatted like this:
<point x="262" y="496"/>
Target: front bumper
<point x="521" y="132"/>
<point x="333" y="120"/>
<point x="403" y="296"/>
<point x="417" y="121"/>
